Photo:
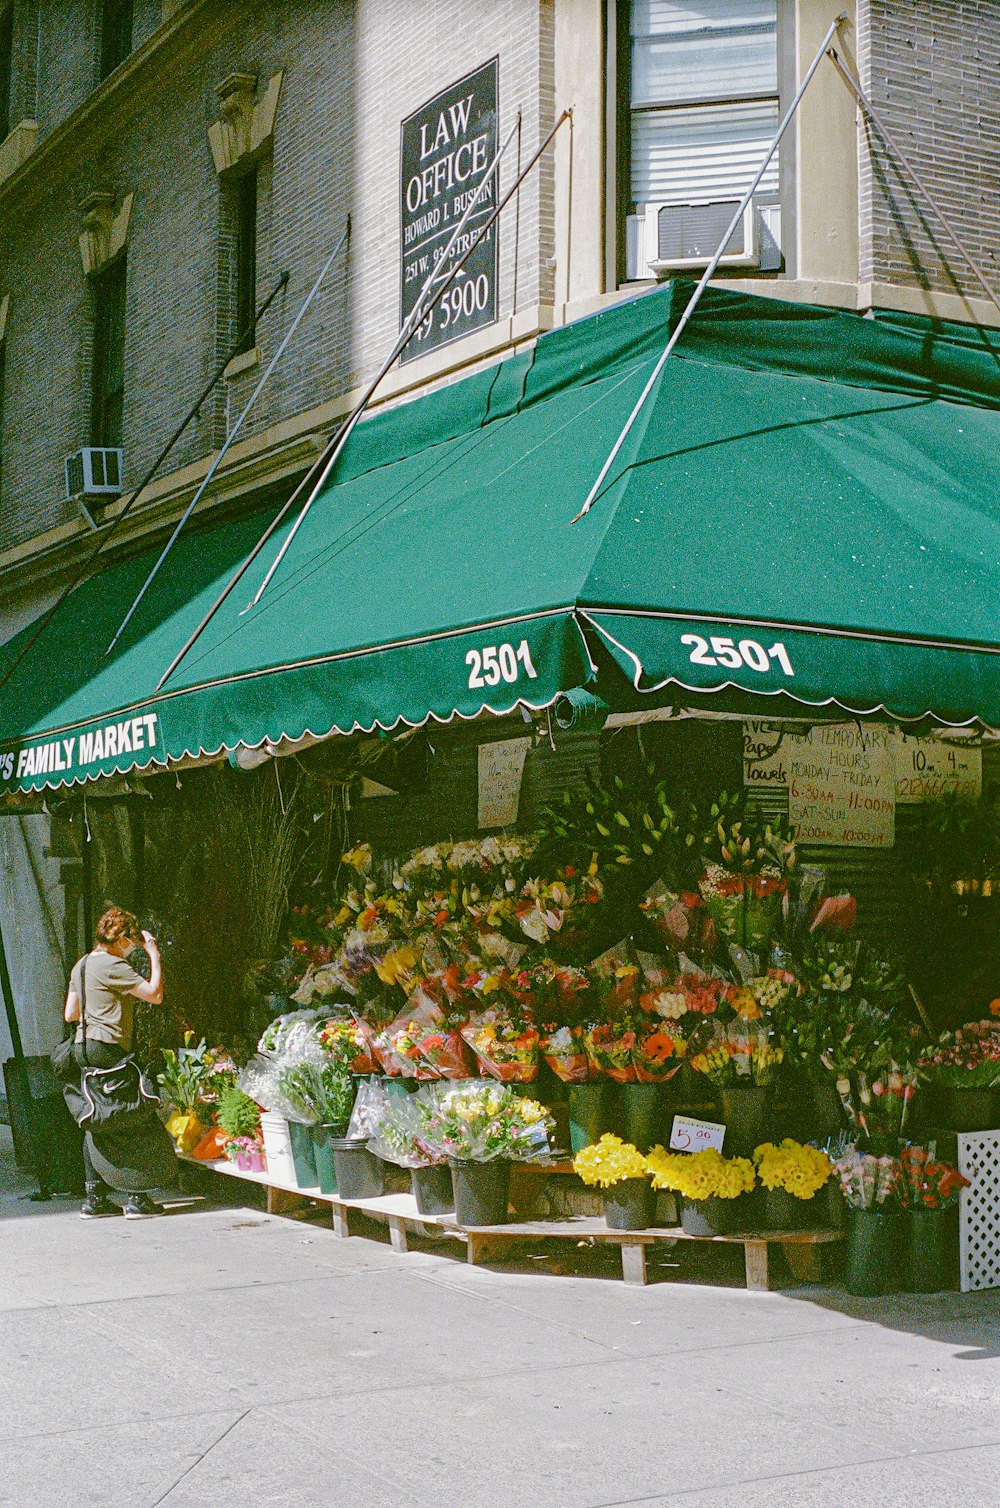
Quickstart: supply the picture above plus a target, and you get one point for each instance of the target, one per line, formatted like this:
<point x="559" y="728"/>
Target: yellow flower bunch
<point x="799" y="1169"/>
<point x="609" y="1161"/>
<point x="701" y="1175"/>
<point x="397" y="966"/>
<point x="746" y="1005"/>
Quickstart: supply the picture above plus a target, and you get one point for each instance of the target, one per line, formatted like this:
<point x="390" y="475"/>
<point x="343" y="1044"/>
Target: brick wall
<point x="931" y="70"/>
<point x="352" y="72"/>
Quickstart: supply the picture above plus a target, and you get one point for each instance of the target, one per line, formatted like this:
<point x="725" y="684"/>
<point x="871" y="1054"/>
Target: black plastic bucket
<point x="931" y="1250"/>
<point x="432" y="1189"/>
<point x="706" y="1217"/>
<point x="629" y="1205"/>
<point x="480" y="1190"/>
<point x="360" y="1174"/>
<point x="873" y="1252"/>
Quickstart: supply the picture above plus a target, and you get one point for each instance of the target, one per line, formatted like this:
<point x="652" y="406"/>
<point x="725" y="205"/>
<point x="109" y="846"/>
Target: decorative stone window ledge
<point x="17" y="147"/>
<point x="242" y="363"/>
<point x="104" y="232"/>
<point x="246" y="126"/>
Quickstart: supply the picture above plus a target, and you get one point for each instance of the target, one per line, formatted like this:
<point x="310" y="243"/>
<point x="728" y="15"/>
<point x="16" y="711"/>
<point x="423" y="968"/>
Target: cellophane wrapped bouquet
<point x="480" y="1120"/>
<point x="867" y="1182"/>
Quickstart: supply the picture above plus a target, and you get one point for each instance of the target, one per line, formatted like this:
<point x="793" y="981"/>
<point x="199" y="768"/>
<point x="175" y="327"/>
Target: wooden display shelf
<point x="490" y="1242"/>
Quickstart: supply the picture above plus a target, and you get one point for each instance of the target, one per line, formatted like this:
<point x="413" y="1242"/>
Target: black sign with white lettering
<point x="447" y="148"/>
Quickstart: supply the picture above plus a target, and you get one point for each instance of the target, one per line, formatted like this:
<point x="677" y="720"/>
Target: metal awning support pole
<point x="709" y="272"/>
<point x="231" y="436"/>
<point x="283" y="512"/>
<point x="946" y="225"/>
<point x="413" y="320"/>
<point x="108" y="530"/>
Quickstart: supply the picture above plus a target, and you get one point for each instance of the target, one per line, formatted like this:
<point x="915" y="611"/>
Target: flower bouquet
<point x="609" y="1046"/>
<point x="926" y="1183"/>
<point x="398" y="1136"/>
<point x="565" y="1051"/>
<point x="799" y="1170"/>
<point x="877" y="1105"/>
<point x="617" y="981"/>
<point x="737" y="1055"/>
<point x="681" y="920"/>
<point x="505" y="1043"/>
<point x="867" y="1182"/>
<point x="968" y="1058"/>
<point x="346" y="1043"/>
<point x="318" y="1093"/>
<point x="707" y="1184"/>
<point x="744" y="907"/>
<point x="701" y="1175"/>
<point x="657" y="1053"/>
<point x="481" y="1120"/>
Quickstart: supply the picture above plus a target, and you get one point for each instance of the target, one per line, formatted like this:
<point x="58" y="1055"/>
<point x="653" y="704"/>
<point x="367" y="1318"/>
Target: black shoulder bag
<point x="118" y="1097"/>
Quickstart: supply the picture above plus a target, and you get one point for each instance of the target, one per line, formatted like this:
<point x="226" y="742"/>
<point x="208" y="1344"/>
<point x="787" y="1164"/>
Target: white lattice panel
<point x="979" y="1231"/>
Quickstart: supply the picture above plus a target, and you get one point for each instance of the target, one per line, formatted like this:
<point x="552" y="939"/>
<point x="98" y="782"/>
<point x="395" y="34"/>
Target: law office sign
<point x="446" y="149"/>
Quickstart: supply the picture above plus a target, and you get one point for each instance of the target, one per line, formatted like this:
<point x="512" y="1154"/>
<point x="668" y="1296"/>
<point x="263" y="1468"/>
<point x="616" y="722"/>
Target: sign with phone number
<point x="447" y="148"/>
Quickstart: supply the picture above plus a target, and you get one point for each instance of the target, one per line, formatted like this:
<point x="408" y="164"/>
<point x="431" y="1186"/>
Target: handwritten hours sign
<point x="841" y="780"/>
<point x="501" y="766"/>
<point x="447" y="148"/>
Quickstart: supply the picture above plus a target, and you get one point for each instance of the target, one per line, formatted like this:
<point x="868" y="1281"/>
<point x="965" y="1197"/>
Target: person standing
<point x="103" y="988"/>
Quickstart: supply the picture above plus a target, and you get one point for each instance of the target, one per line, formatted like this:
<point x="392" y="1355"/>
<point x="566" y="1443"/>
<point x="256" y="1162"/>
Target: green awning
<point x="806" y="508"/>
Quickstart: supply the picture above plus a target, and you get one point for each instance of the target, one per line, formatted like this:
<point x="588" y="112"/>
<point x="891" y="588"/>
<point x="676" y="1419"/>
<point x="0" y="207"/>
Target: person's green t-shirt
<point x="110" y="1005"/>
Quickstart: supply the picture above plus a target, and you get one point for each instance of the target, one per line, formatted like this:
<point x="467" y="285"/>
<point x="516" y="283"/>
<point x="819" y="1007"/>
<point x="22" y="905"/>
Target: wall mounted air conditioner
<point x="94" y="471"/>
<point x="671" y="237"/>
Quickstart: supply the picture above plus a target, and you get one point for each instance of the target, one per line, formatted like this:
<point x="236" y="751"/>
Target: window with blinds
<point x="702" y="109"/>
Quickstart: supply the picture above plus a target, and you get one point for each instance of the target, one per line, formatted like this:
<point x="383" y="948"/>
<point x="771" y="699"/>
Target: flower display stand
<point x="493" y="1242"/>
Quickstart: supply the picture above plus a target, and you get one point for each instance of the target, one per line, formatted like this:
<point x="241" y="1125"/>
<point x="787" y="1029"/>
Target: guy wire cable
<point x="107" y="530"/>
<point x="231" y="436"/>
<point x="695" y="298"/>
<point x="413" y="321"/>
<point x="278" y="519"/>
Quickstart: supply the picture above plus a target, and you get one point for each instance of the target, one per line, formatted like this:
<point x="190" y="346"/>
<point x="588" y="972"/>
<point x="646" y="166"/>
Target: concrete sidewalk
<point x="220" y="1356"/>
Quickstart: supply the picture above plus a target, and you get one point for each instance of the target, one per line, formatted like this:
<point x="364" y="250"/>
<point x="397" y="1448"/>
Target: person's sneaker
<point x="98" y="1207"/>
<point x="140" y="1207"/>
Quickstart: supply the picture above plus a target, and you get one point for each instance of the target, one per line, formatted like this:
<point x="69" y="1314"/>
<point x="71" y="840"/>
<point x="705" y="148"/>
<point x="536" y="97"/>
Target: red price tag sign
<point x="689" y="1135"/>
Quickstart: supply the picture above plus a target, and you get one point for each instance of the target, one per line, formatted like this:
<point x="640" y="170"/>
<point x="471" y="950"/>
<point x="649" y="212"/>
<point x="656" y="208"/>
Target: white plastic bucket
<point x="278" y="1146"/>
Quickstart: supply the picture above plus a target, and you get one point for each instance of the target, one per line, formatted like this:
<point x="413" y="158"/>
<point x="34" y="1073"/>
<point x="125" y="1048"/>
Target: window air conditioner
<point x="94" y="472"/>
<point x="665" y="238"/>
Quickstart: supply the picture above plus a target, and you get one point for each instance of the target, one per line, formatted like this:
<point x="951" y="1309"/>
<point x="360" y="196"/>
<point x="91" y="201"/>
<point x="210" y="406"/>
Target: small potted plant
<point x="245" y="1152"/>
<point x="620" y="1169"/>
<point x="791" y="1175"/>
<point x="929" y="1193"/>
<point x="184" y="1080"/>
<point x="239" y="1118"/>
<point x="708" y="1184"/>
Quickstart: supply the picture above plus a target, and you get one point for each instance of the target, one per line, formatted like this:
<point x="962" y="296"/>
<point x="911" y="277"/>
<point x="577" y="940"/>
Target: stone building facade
<point x="117" y="155"/>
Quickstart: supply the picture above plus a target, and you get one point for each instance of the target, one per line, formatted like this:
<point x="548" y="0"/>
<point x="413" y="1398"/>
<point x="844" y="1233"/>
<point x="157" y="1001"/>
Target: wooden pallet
<point x="485" y="1243"/>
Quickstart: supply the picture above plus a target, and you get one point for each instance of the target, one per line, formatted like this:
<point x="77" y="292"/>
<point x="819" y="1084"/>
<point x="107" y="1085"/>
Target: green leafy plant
<point x="322" y="1093"/>
<point x="236" y="1113"/>
<point x="186" y="1073"/>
